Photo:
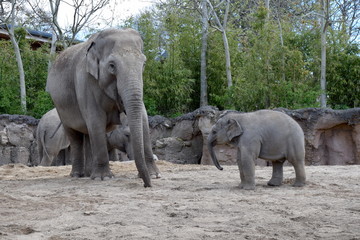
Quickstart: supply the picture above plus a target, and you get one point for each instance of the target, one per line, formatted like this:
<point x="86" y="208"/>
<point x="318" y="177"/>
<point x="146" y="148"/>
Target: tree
<point x="204" y="40"/>
<point x="55" y="29"/>
<point x="35" y="69"/>
<point x="222" y="27"/>
<point x="324" y="20"/>
<point x="84" y="17"/>
<point x="8" y="17"/>
<point x="171" y="46"/>
<point x="343" y="75"/>
<point x="348" y="13"/>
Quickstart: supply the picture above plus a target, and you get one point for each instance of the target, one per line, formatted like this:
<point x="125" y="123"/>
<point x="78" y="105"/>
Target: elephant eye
<point x="143" y="67"/>
<point x="112" y="68"/>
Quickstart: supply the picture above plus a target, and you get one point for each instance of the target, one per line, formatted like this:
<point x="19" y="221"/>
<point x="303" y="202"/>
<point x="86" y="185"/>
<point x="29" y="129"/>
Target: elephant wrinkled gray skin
<point x="50" y="137"/>
<point x="264" y="134"/>
<point x="90" y="84"/>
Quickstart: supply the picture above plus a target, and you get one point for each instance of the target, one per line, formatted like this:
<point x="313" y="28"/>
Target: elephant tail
<point x="57" y="128"/>
<point x="43" y="143"/>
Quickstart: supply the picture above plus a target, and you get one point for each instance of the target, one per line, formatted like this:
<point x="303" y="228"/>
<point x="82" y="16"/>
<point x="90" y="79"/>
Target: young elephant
<point x="119" y="139"/>
<point x="50" y="137"/>
<point x="265" y="134"/>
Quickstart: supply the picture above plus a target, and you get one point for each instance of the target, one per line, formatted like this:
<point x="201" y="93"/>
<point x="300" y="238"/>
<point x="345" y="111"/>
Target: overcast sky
<point x="123" y="9"/>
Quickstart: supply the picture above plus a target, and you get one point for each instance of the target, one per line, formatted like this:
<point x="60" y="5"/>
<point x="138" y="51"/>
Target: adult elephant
<point x="90" y="84"/>
<point x="50" y="137"/>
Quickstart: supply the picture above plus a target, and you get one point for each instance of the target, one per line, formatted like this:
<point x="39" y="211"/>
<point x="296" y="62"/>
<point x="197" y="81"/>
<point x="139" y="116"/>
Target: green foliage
<point x="20" y="34"/>
<point x="9" y="83"/>
<point x="172" y="59"/>
<point x="35" y="66"/>
<point x="267" y="73"/>
<point x="343" y="78"/>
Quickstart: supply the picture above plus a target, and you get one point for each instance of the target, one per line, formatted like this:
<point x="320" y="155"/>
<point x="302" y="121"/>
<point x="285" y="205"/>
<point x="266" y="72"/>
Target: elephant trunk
<point x="129" y="151"/>
<point x="134" y="107"/>
<point x="211" y="145"/>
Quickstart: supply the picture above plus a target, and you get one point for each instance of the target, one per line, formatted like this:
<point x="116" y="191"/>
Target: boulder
<point x="179" y="151"/>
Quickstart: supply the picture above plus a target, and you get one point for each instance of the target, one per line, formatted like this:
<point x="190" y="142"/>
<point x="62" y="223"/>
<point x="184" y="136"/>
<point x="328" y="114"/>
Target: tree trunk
<point x="323" y="70"/>
<point x="21" y="73"/>
<point x="226" y="46"/>
<point x="227" y="60"/>
<point x="282" y="52"/>
<point x="52" y="49"/>
<point x="324" y="19"/>
<point x="203" y="80"/>
<point x="19" y="62"/>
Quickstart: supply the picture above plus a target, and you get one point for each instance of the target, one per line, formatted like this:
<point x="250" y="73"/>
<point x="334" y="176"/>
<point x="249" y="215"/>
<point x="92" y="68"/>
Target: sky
<point x="129" y="7"/>
<point x="123" y="9"/>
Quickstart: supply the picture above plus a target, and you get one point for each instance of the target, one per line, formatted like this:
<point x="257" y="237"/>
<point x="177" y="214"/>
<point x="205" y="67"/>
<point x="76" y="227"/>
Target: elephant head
<point x="224" y="131"/>
<point x="115" y="59"/>
<point x="120" y="137"/>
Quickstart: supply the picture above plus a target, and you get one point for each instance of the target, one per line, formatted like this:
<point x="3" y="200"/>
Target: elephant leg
<point x="246" y="164"/>
<point x="149" y="155"/>
<point x="88" y="156"/>
<point x="299" y="166"/>
<point x="100" y="156"/>
<point x="76" y="152"/>
<point x="45" y="159"/>
<point x="277" y="174"/>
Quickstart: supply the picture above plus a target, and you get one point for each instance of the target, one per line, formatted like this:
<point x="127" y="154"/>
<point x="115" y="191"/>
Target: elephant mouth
<point x="120" y="104"/>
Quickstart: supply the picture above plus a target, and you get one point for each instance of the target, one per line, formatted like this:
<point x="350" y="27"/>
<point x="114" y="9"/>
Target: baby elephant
<point x="50" y="137"/>
<point x="265" y="134"/>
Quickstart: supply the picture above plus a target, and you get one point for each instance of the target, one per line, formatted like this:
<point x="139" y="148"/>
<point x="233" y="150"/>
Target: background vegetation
<point x="275" y="61"/>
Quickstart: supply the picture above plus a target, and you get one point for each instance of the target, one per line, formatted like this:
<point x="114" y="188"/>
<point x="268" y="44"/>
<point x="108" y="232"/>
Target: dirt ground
<point x="188" y="202"/>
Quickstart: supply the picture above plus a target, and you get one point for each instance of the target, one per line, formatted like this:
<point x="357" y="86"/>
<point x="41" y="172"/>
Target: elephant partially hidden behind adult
<point x="50" y="137"/>
<point x="90" y="84"/>
<point x="120" y="138"/>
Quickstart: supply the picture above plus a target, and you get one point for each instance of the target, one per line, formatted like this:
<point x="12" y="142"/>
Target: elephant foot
<point x="155" y="175"/>
<point x="274" y="182"/>
<point x="152" y="175"/>
<point x="87" y="174"/>
<point x="102" y="173"/>
<point x="76" y="174"/>
<point x="298" y="184"/>
<point x="153" y="170"/>
<point x="247" y="186"/>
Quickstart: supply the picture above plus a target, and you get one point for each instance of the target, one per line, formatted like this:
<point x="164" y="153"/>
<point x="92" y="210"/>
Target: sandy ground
<point x="188" y="202"/>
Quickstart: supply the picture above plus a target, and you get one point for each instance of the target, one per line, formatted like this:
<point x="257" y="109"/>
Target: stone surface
<point x="17" y="136"/>
<point x="176" y="150"/>
<point x="331" y="136"/>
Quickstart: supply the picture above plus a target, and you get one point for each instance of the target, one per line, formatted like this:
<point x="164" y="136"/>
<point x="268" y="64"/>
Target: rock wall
<point x="332" y="137"/>
<point x="17" y="139"/>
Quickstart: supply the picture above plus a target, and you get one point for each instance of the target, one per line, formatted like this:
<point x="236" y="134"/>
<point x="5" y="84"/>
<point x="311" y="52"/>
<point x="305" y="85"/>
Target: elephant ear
<point x="234" y="129"/>
<point x="92" y="61"/>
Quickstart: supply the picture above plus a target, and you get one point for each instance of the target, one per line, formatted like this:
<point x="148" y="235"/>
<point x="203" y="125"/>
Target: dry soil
<point x="188" y="202"/>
